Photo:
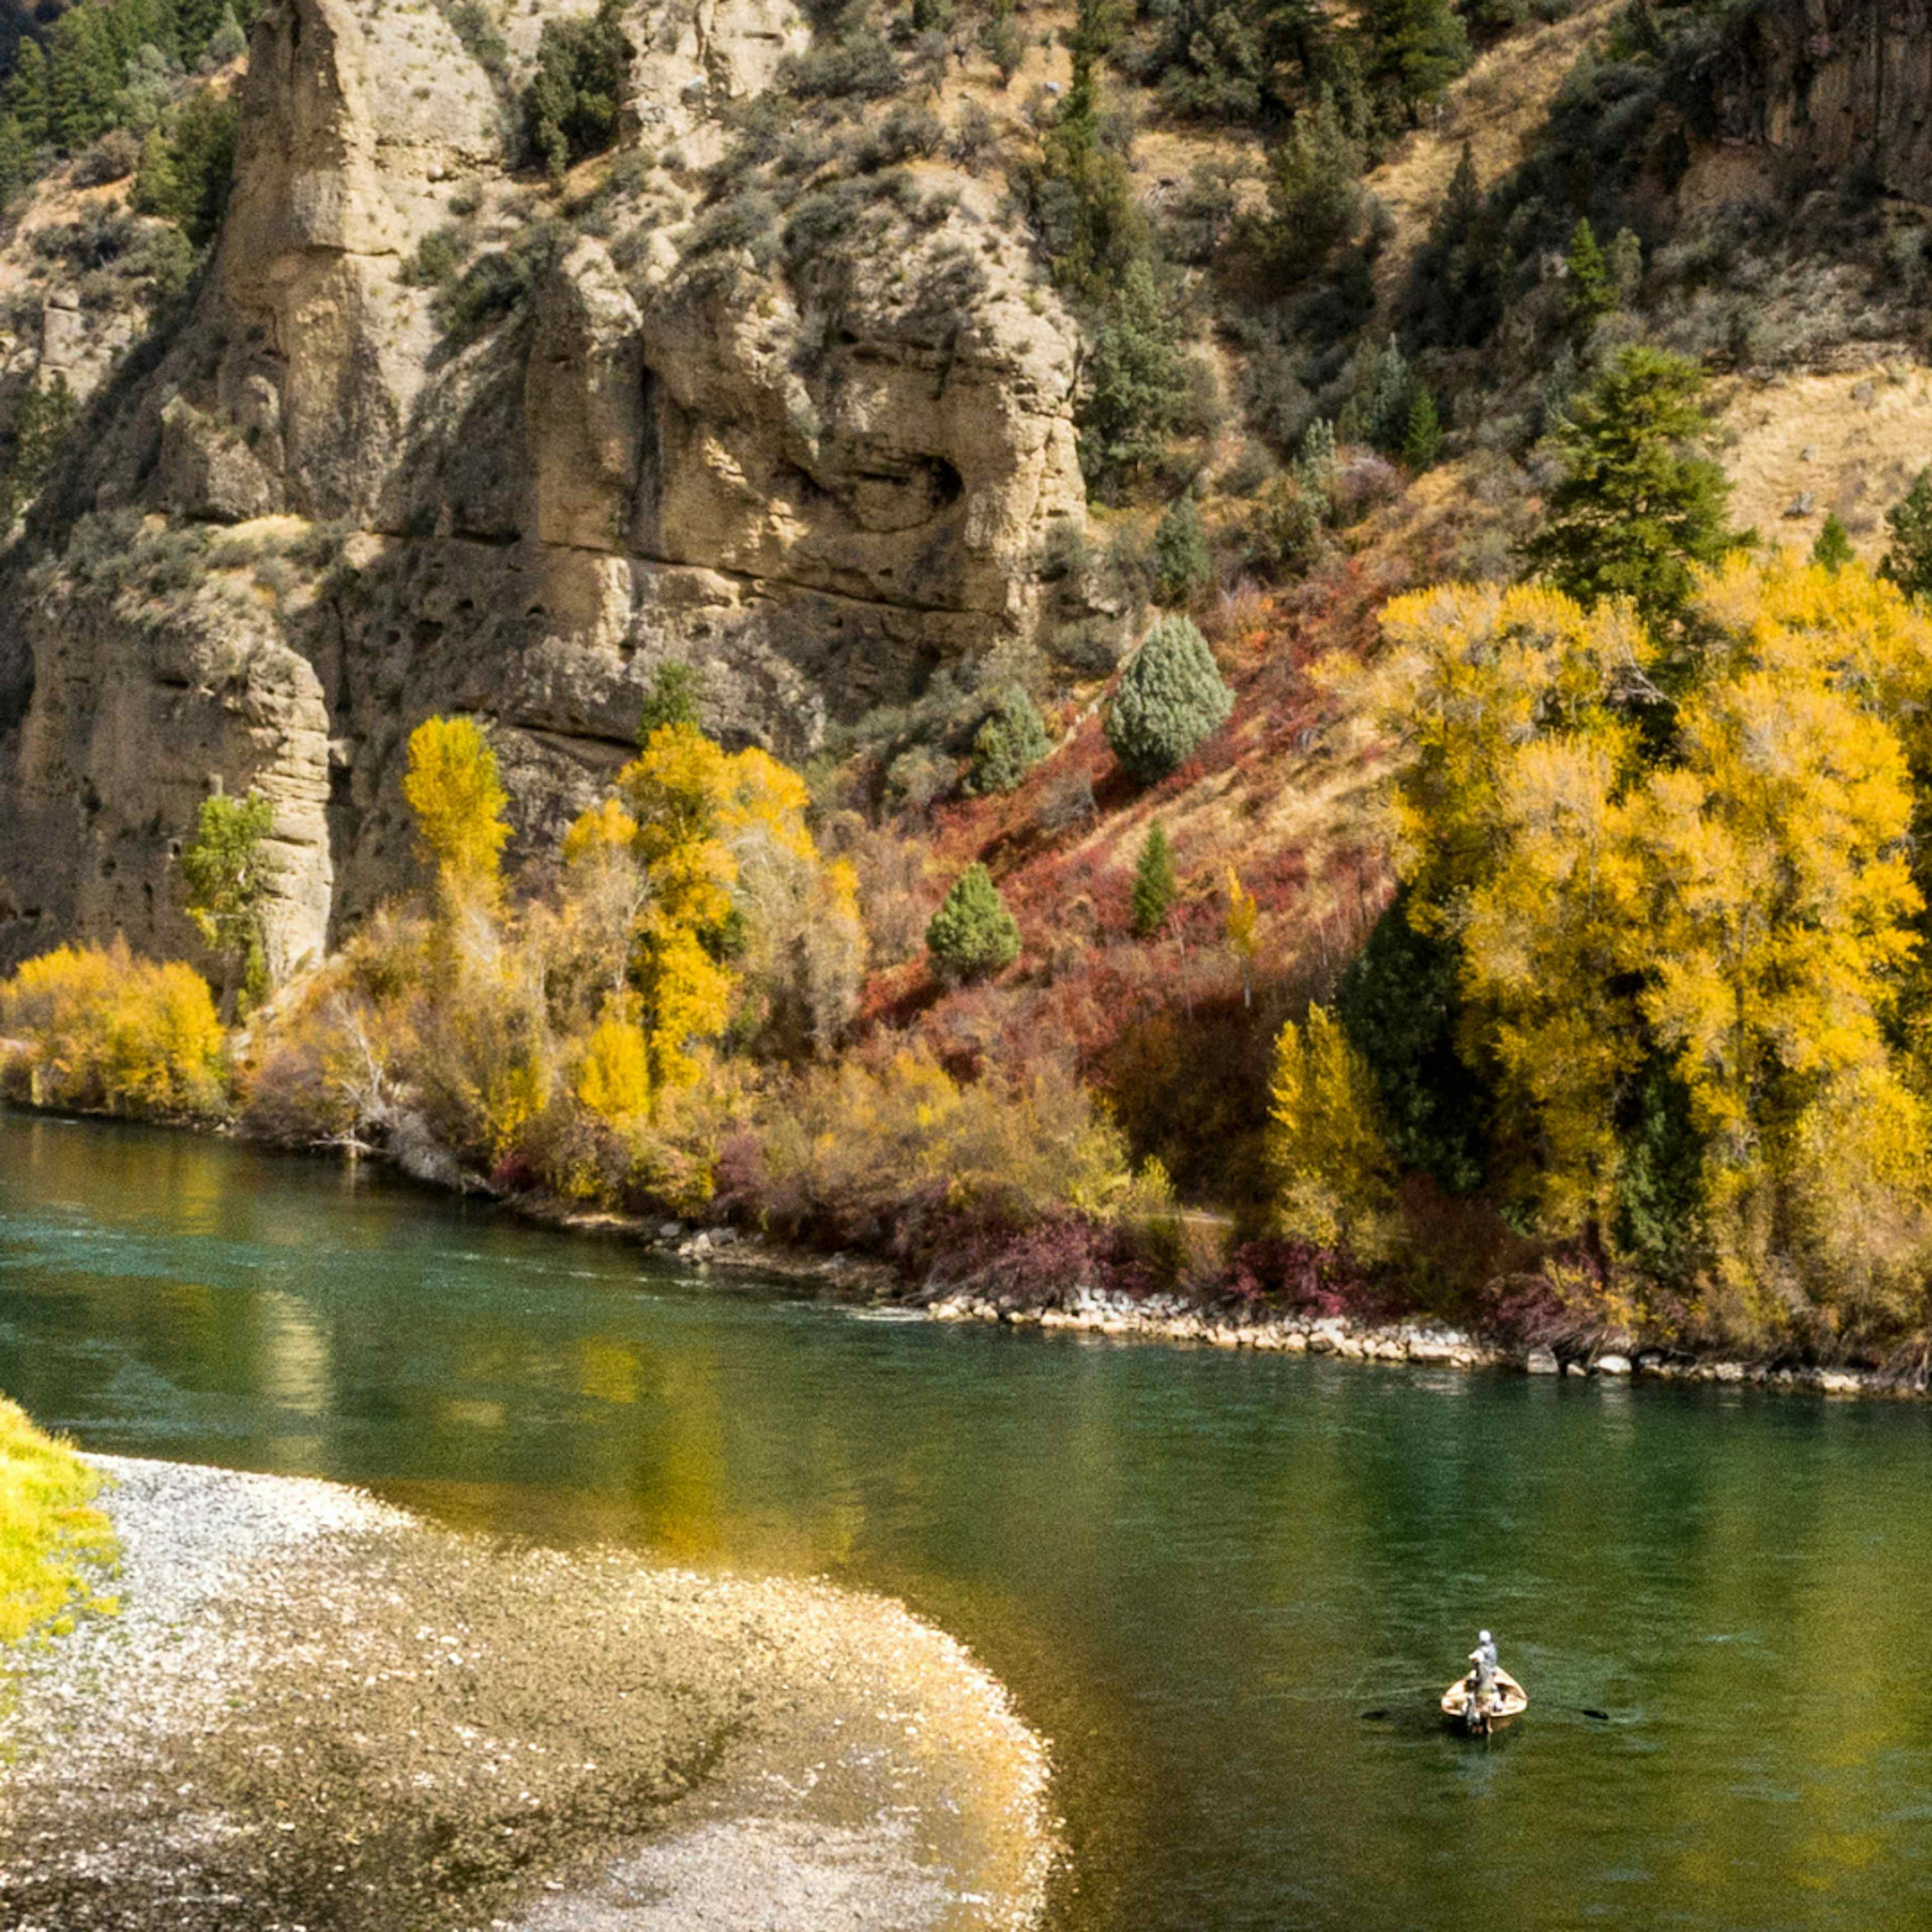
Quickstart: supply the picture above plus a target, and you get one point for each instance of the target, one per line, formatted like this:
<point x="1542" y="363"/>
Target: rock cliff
<point x="598" y="438"/>
<point x="1836" y="86"/>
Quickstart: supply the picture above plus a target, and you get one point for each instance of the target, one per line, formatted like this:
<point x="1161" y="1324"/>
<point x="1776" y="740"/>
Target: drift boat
<point x="1508" y="1700"/>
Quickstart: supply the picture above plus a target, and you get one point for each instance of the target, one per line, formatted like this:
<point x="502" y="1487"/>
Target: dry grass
<point x="49" y="1537"/>
<point x="1851" y="441"/>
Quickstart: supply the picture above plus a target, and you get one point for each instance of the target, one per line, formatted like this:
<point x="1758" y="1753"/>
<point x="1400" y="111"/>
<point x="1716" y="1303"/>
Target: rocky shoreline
<point x="1174" y="1319"/>
<point x="315" y="1712"/>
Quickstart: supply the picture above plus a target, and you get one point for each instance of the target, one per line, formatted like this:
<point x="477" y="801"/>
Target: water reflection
<point x="1197" y="1571"/>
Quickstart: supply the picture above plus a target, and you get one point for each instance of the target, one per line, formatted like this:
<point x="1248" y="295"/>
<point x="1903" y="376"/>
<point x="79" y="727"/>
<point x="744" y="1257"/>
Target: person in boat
<point x="1483" y="1677"/>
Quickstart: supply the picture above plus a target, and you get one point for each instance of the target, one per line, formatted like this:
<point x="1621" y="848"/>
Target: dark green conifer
<point x="973" y="934"/>
<point x="1908" y="561"/>
<point x="1154" y="883"/>
<point x="1182" y="565"/>
<point x="1640" y="503"/>
<point x="1833" y="549"/>
<point x="1423" y="438"/>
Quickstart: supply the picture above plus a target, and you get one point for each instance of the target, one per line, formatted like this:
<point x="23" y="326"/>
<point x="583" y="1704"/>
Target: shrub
<point x="1284" y="534"/>
<point x="1012" y="741"/>
<point x="859" y="67"/>
<point x="973" y="934"/>
<point x="113" y="158"/>
<point x="103" y="1029"/>
<point x="1170" y="698"/>
<point x="438" y="257"/>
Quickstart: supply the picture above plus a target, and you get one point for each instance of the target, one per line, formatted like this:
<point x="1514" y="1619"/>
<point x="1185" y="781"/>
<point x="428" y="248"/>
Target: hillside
<point x="875" y="366"/>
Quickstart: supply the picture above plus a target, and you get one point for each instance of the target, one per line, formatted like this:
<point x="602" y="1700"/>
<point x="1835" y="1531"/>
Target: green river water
<point x="1196" y="1570"/>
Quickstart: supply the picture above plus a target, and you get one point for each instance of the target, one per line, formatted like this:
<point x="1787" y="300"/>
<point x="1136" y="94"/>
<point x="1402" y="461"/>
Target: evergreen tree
<point x="1638" y="504"/>
<point x="45" y="415"/>
<point x="15" y="159"/>
<point x="1423" y="438"/>
<point x="1908" y="560"/>
<point x="1417" y="48"/>
<point x="1155" y="885"/>
<point x="1134" y="390"/>
<point x="195" y="22"/>
<point x="1592" y="292"/>
<point x="1456" y="291"/>
<point x="83" y="79"/>
<point x="1170" y="698"/>
<point x="1315" y="191"/>
<point x="1833" y="550"/>
<point x="1011" y="742"/>
<point x="1400" y="1005"/>
<point x="1182" y="566"/>
<point x="27" y="97"/>
<point x="228" y="873"/>
<point x="973" y="934"/>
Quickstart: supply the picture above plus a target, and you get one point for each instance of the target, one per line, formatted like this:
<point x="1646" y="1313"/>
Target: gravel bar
<point x="315" y="1713"/>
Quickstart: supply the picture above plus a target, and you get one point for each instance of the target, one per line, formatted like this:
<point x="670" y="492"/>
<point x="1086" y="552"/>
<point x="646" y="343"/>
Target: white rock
<point x="1612" y="1365"/>
<point x="1543" y="1362"/>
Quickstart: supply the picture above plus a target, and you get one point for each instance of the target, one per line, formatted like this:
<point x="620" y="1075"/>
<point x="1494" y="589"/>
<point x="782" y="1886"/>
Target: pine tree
<point x="973" y="934"/>
<point x="1638" y="504"/>
<point x="1423" y="438"/>
<point x="227" y="43"/>
<point x="83" y="79"/>
<point x="1315" y="191"/>
<point x="1908" y="561"/>
<point x="1833" y="550"/>
<point x="1417" y="48"/>
<point x="1592" y="292"/>
<point x="1155" y="885"/>
<point x="1134" y="391"/>
<point x="27" y="97"/>
<point x="1009" y="744"/>
<point x="1170" y="698"/>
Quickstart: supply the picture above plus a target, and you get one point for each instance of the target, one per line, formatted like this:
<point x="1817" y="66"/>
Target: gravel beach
<point x="315" y="1714"/>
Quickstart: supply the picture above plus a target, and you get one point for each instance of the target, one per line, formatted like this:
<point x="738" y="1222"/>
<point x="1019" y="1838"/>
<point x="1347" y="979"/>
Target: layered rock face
<point x="819" y="482"/>
<point x="1838" y="85"/>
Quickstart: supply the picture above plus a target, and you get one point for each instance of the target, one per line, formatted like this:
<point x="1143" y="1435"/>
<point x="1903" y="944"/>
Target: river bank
<point x="1224" y="1324"/>
<point x="314" y="1710"/>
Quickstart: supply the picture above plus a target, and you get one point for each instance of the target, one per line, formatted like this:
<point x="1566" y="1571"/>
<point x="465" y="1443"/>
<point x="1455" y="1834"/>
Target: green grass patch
<point x="53" y="1544"/>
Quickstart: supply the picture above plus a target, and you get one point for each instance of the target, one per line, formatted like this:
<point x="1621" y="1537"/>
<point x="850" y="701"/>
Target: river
<point x="1199" y="1572"/>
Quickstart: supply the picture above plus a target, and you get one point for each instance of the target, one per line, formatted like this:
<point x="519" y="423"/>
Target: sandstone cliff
<point x="601" y="444"/>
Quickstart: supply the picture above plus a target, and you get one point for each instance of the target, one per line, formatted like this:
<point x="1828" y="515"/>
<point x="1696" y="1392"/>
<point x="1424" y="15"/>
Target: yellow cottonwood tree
<point x="734" y="881"/>
<point x="452" y="786"/>
<point x="1334" y="1180"/>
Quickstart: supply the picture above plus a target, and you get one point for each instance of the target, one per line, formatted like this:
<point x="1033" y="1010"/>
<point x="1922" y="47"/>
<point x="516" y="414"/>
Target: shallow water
<point x="1196" y="1569"/>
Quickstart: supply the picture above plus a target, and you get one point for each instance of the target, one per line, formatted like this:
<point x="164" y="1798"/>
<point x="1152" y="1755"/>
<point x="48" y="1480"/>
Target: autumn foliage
<point x="1686" y="934"/>
<point x="95" y="1027"/>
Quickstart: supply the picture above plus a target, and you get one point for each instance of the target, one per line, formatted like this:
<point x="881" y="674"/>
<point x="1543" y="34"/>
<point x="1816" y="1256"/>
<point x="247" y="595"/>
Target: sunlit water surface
<point x="1197" y="1571"/>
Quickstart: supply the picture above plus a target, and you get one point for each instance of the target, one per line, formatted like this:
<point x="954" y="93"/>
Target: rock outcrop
<point x="821" y="476"/>
<point x="1839" y="87"/>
